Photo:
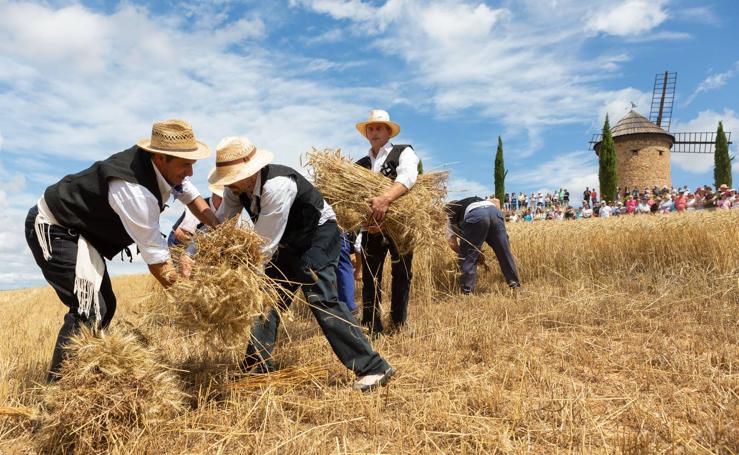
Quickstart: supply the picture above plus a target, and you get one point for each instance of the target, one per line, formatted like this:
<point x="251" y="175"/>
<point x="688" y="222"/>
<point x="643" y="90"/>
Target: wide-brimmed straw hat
<point x="378" y="116"/>
<point x="236" y="159"/>
<point x="175" y="138"/>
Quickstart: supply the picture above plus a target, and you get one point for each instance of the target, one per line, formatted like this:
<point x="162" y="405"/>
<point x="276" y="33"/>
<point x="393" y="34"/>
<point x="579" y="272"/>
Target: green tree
<point x="607" y="165"/>
<point x="500" y="172"/>
<point x="721" y="159"/>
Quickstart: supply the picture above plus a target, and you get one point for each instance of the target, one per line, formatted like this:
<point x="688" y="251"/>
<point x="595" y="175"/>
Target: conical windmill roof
<point x="635" y="123"/>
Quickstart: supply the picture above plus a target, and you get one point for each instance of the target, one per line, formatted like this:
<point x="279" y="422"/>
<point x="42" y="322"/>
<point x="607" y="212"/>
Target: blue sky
<point x="80" y="81"/>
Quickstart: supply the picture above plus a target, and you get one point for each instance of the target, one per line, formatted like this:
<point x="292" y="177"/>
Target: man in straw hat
<point x="473" y="221"/>
<point x="400" y="164"/>
<point x="302" y="240"/>
<point x="103" y="209"/>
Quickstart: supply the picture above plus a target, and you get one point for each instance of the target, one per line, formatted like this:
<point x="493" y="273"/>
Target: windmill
<point x="643" y="146"/>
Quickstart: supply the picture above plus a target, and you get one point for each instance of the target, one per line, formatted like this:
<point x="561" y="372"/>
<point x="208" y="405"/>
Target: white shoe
<point x="372" y="381"/>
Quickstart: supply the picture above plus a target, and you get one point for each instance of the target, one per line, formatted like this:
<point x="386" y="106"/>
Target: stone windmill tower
<point x="643" y="146"/>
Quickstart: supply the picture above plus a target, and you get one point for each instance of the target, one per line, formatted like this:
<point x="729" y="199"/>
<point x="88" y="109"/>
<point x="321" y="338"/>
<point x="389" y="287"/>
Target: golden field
<point x="623" y="339"/>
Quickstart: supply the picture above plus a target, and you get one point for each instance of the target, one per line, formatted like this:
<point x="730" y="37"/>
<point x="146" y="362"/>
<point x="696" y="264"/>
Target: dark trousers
<point x="59" y="272"/>
<point x="315" y="271"/>
<point x="374" y="249"/>
<point x="484" y="224"/>
<point x="345" y="274"/>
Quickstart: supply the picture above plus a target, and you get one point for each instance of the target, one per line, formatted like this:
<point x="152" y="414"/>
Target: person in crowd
<point x="472" y="222"/>
<point x="690" y="202"/>
<point x="593" y="197"/>
<point x="586" y="196"/>
<point x="566" y="198"/>
<point x="642" y="208"/>
<point x="605" y="210"/>
<point x="400" y="164"/>
<point x="666" y="205"/>
<point x="681" y="202"/>
<point x="100" y="211"/>
<point x="302" y="245"/>
<point x="587" y="212"/>
<point x="631" y="205"/>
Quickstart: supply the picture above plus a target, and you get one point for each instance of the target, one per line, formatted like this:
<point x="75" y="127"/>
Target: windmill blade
<point x="663" y="98"/>
<point x="697" y="141"/>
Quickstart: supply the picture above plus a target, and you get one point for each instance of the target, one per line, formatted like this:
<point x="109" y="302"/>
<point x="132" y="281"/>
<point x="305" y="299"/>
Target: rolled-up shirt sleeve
<point x="186" y="193"/>
<point x="138" y="210"/>
<point x="407" y="168"/>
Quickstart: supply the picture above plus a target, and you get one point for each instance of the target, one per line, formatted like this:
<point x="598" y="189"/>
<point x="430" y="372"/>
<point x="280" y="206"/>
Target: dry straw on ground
<point x="586" y="357"/>
<point x="112" y="389"/>
<point x="226" y="290"/>
<point x="412" y="221"/>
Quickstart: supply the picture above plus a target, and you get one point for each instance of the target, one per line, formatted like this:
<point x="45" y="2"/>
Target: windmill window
<point x="661" y="152"/>
<point x="635" y="152"/>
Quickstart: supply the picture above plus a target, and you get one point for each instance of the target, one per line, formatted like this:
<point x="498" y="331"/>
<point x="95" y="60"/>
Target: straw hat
<point x="236" y="159"/>
<point x="174" y="137"/>
<point x="378" y="116"/>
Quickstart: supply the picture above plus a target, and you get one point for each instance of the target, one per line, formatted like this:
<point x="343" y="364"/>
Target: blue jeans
<point x="484" y="224"/>
<point x="345" y="274"/>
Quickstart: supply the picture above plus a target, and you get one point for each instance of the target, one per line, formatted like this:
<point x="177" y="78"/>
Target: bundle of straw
<point x="227" y="287"/>
<point x="112" y="389"/>
<point x="412" y="221"/>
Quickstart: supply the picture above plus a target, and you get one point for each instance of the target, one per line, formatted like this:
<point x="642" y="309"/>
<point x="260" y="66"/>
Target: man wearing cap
<point x="399" y="163"/>
<point x="103" y="209"/>
<point x="473" y="221"/>
<point x="302" y="240"/>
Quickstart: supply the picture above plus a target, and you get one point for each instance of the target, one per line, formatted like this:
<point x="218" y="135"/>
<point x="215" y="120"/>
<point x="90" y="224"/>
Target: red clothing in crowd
<point x="631" y="206"/>
<point x="680" y="203"/>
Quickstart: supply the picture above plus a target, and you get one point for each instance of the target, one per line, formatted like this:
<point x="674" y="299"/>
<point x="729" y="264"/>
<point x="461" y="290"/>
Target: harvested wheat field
<point x="623" y="339"/>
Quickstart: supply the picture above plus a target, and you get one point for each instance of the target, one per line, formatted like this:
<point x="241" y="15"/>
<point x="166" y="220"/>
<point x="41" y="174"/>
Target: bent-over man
<point x="473" y="221"/>
<point x="103" y="209"/>
<point x="302" y="240"/>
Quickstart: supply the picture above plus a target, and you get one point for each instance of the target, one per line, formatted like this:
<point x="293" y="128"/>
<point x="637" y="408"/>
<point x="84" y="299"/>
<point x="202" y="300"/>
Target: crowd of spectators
<point x="629" y="201"/>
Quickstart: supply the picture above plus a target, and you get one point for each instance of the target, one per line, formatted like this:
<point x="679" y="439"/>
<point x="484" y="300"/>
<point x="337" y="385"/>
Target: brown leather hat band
<point x="244" y="159"/>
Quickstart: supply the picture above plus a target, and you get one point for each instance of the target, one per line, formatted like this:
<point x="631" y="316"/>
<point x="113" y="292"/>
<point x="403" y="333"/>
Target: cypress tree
<point x="500" y="172"/>
<point x="721" y="159"/>
<point x="607" y="165"/>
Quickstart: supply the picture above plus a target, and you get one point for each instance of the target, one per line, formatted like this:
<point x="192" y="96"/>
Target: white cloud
<point x="705" y="121"/>
<point x="68" y="36"/>
<point x="573" y="171"/>
<point x="84" y="84"/>
<point x="460" y="187"/>
<point x="714" y="81"/>
<point x="630" y="17"/>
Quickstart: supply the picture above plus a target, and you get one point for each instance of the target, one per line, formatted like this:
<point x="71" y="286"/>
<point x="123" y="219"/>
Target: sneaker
<point x="514" y="285"/>
<point x="372" y="381"/>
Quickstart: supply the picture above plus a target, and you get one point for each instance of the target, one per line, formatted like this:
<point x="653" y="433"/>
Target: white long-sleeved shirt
<point x="138" y="210"/>
<point x="407" y="164"/>
<point x="276" y="198"/>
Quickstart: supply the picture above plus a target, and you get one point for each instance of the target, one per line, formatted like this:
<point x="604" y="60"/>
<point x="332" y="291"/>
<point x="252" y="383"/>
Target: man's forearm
<point x="394" y="192"/>
<point x="202" y="212"/>
<point x="165" y="273"/>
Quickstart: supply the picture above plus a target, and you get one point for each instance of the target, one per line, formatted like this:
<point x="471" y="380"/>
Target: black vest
<point x="305" y="212"/>
<point x="80" y="201"/>
<point x="390" y="166"/>
<point x="455" y="210"/>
